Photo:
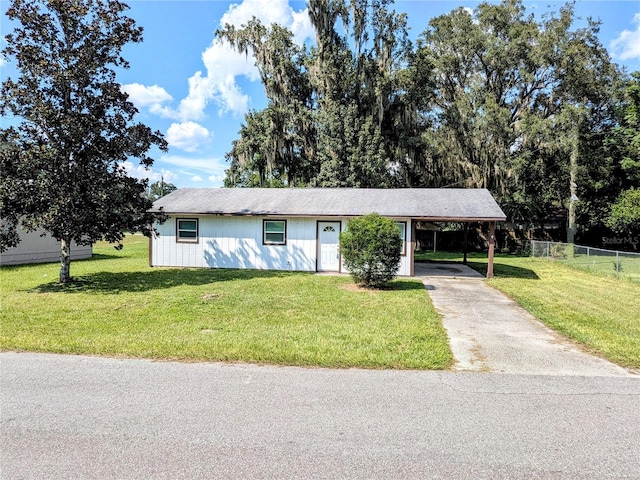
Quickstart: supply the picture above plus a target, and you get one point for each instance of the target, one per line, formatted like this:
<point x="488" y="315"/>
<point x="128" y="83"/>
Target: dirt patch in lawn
<point x="352" y="287"/>
<point x="210" y="296"/>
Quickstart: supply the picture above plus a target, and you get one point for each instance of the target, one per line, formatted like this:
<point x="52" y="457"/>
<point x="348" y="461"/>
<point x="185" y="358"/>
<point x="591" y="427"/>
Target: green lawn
<point x="120" y="306"/>
<point x="619" y="264"/>
<point x="594" y="309"/>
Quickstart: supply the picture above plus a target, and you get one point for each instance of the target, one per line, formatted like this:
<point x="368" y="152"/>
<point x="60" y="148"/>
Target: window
<point x="402" y="228"/>
<point x="274" y="232"/>
<point x="187" y="230"/>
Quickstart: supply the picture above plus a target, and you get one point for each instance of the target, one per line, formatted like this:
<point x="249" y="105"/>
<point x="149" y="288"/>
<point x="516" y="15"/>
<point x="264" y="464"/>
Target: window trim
<point x="188" y="239"/>
<point x="264" y="232"/>
<point x="404" y="237"/>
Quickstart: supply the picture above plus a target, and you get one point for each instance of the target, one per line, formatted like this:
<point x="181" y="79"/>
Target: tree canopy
<point x="63" y="162"/>
<point x="625" y="142"/>
<point x="531" y="108"/>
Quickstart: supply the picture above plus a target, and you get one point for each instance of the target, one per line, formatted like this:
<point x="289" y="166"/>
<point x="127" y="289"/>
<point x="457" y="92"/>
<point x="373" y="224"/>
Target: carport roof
<point x="434" y="204"/>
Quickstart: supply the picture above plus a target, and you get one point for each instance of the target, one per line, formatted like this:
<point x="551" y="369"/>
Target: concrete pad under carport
<point x="490" y="332"/>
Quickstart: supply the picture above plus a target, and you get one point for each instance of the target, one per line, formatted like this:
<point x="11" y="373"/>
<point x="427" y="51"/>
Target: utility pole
<point x="573" y="187"/>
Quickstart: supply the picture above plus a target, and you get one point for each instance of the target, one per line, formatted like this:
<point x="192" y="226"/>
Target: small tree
<point x="160" y="189"/>
<point x="371" y="248"/>
<point x="63" y="163"/>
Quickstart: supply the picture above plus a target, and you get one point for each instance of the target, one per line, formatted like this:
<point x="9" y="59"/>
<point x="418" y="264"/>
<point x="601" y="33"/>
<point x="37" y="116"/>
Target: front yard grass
<point x="121" y="307"/>
<point x="596" y="310"/>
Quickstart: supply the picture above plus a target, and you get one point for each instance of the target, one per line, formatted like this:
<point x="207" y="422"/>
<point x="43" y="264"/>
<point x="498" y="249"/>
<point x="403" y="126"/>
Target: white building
<point x="297" y="228"/>
<point x="35" y="248"/>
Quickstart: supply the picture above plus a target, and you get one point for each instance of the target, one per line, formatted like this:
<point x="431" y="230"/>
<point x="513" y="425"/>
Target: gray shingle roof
<point x="423" y="203"/>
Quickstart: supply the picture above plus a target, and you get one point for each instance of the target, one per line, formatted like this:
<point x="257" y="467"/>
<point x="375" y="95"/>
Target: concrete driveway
<point x="489" y="332"/>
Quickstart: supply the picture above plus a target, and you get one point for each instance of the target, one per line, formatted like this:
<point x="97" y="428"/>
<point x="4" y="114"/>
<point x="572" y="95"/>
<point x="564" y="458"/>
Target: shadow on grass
<point x="102" y="256"/>
<point x="131" y="282"/>
<point x="504" y="271"/>
<point x="404" y="285"/>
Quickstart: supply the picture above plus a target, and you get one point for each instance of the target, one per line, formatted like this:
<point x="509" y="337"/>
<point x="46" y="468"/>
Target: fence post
<point x="548" y="248"/>
<point x="617" y="263"/>
<point x="588" y="250"/>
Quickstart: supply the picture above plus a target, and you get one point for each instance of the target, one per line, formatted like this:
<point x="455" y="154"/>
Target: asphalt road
<point x="83" y="417"/>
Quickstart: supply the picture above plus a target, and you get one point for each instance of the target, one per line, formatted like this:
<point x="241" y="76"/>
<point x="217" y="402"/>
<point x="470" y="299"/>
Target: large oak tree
<point x="63" y="160"/>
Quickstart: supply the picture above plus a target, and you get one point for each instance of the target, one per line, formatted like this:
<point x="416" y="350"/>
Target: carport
<point x="462" y="206"/>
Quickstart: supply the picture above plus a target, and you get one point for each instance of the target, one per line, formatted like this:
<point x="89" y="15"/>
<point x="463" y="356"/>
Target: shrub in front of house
<point x="371" y="249"/>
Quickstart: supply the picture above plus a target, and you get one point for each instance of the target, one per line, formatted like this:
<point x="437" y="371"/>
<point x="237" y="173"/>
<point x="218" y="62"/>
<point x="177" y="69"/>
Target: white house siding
<point x="236" y="242"/>
<point x="36" y="249"/>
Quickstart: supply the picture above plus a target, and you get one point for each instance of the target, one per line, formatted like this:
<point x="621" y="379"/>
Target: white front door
<point x="328" y="243"/>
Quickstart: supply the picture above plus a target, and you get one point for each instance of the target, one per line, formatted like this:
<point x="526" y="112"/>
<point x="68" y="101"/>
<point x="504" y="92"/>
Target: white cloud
<point x="187" y="136"/>
<point x="301" y="26"/>
<point x="196" y="178"/>
<point x="3" y="61"/>
<point x="223" y="65"/>
<point x="216" y="180"/>
<point x="268" y="11"/>
<point x="627" y="45"/>
<point x="152" y="97"/>
<point x="140" y="171"/>
<point x="207" y="166"/>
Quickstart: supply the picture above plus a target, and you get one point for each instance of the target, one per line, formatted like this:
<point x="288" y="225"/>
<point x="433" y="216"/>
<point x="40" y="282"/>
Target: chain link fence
<point x="613" y="262"/>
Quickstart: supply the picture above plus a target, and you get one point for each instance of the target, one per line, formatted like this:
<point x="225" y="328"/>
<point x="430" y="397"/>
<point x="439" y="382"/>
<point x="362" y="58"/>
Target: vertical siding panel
<point x="261" y="254"/>
<point x="290" y="258"/>
<point x="159" y="248"/>
<point x="178" y="251"/>
<point x="198" y="259"/>
<point x="223" y="242"/>
<point x="205" y="238"/>
<point x="192" y="253"/>
<point x="254" y="239"/>
<point x="214" y="245"/>
<point x="170" y="253"/>
<point x="169" y="241"/>
<point x="236" y="243"/>
<point x="306" y="245"/>
<point x="155" y="244"/>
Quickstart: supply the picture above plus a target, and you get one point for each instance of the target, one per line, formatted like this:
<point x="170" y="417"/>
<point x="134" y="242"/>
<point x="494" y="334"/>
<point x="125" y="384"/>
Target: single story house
<point x="40" y="247"/>
<point x="298" y="228"/>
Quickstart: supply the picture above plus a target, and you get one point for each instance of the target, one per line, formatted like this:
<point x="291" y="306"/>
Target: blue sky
<point x="197" y="91"/>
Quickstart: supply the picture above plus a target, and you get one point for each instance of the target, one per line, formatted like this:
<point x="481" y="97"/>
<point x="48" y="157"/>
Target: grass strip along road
<point x="121" y="306"/>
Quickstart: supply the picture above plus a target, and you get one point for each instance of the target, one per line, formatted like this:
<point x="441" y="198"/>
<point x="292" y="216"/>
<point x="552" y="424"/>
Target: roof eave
<point x="326" y="215"/>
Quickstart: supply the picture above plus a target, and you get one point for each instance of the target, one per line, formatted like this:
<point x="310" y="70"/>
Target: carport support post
<point x="464" y="248"/>
<point x="492" y="241"/>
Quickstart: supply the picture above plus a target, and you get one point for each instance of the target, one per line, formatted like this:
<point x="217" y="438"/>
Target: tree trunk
<point x="65" y="260"/>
